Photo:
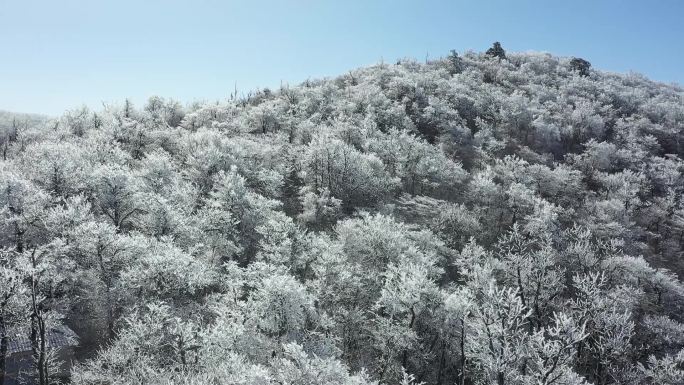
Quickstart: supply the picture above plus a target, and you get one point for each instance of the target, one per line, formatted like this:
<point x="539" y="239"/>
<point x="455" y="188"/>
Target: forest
<point x="482" y="218"/>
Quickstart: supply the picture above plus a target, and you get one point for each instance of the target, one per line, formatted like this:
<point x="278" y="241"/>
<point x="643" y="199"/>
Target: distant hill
<point x="8" y="119"/>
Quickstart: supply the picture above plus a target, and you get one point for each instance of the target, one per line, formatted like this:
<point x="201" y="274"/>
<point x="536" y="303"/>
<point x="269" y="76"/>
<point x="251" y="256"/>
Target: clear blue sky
<point x="59" y="54"/>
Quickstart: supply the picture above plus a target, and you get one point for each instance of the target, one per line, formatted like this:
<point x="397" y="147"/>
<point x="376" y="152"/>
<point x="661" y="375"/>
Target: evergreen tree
<point x="496" y="51"/>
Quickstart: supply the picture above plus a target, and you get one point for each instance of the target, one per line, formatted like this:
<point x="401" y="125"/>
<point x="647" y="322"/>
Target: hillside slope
<point x="479" y="219"/>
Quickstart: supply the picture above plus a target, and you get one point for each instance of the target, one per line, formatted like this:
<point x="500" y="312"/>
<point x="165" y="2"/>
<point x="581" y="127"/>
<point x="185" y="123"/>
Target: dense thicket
<point x="493" y="218"/>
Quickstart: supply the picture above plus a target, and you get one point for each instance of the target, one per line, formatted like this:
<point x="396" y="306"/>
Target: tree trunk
<point x="404" y="360"/>
<point x="42" y="361"/>
<point x="106" y="279"/>
<point x="38" y="329"/>
<point x="3" y="350"/>
<point x="19" y="234"/>
<point x="38" y="347"/>
<point x="441" y="364"/>
<point x="463" y="356"/>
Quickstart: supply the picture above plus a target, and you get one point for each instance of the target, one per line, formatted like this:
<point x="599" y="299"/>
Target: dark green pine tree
<point x="455" y="63"/>
<point x="496" y="51"/>
<point x="580" y="65"/>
